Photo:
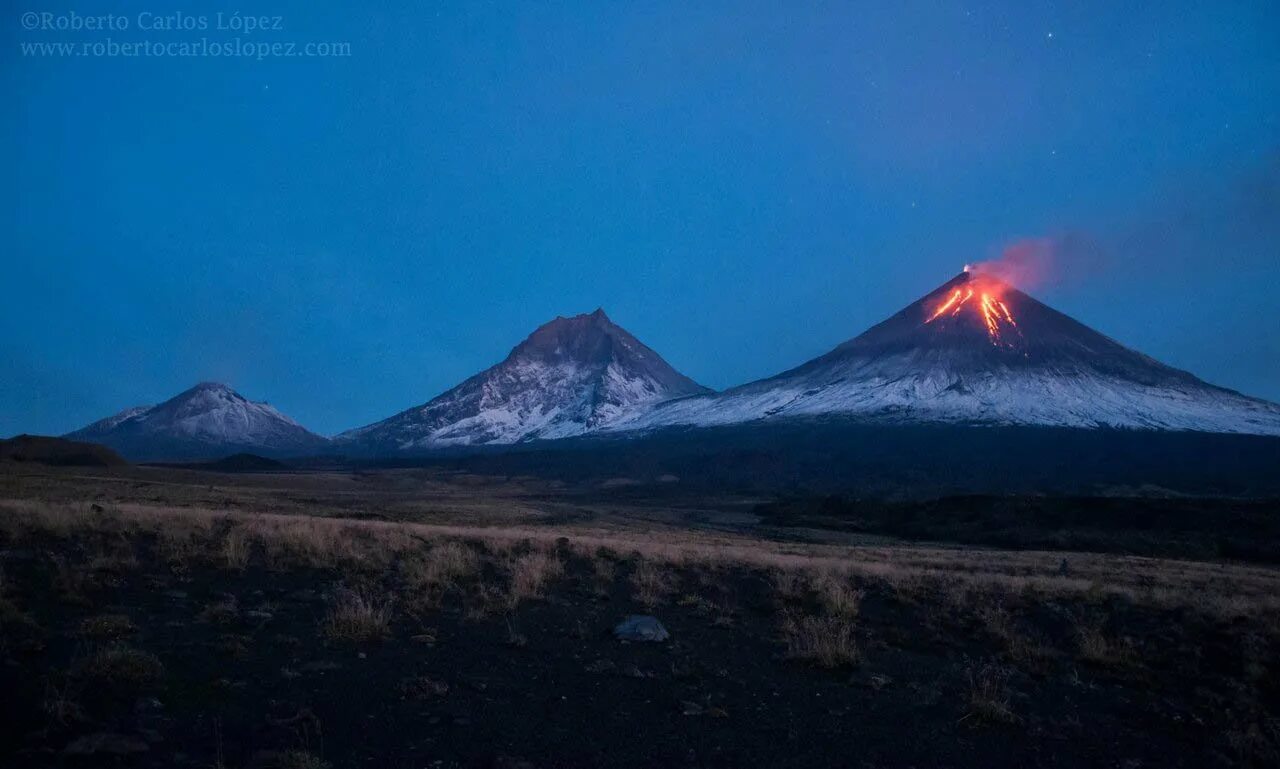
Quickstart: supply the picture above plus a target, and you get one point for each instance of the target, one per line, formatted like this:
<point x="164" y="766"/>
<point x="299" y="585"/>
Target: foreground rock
<point x="640" y="627"/>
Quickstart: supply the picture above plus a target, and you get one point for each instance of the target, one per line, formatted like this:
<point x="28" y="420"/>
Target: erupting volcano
<point x="981" y="297"/>
<point x="977" y="350"/>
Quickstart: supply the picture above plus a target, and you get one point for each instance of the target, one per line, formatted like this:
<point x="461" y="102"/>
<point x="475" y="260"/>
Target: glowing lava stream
<point x="994" y="312"/>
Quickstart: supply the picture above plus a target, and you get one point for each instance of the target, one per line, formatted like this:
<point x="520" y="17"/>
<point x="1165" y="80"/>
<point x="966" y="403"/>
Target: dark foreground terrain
<point x="902" y="461"/>
<point x="185" y="619"/>
<point x="1179" y="527"/>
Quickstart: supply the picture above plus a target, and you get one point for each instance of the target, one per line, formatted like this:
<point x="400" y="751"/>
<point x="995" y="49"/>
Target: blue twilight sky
<point x="741" y="185"/>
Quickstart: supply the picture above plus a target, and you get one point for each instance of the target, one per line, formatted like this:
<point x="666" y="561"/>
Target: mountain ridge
<point x="973" y="351"/>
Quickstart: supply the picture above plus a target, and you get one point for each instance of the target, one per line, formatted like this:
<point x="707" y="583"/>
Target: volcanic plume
<point x="1029" y="262"/>
<point x="977" y="350"/>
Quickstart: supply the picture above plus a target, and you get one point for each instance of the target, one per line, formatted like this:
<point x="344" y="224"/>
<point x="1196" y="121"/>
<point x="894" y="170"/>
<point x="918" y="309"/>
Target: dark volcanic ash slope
<point x="571" y="375"/>
<point x="208" y="420"/>
<point x="976" y="350"/>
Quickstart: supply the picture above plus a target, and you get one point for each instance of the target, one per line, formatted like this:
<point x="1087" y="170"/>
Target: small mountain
<point x="241" y="462"/>
<point x="572" y="375"/>
<point x="976" y="350"/>
<point x="47" y="450"/>
<point x="208" y="420"/>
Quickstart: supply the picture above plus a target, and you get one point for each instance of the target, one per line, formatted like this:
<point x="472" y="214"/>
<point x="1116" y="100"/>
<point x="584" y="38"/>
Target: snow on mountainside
<point x="209" y="419"/>
<point x="976" y="350"/>
<point x="572" y="375"/>
<point x="103" y="426"/>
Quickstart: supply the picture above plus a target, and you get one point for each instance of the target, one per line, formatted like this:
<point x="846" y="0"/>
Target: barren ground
<point x="171" y="618"/>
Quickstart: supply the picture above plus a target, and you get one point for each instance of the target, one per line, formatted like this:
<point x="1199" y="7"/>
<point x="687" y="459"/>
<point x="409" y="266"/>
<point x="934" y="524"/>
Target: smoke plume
<point x="1052" y="260"/>
<point x="1228" y="224"/>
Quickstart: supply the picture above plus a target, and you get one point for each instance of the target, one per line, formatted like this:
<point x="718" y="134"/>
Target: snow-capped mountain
<point x="208" y="420"/>
<point x="976" y="350"/>
<point x="572" y="375"/>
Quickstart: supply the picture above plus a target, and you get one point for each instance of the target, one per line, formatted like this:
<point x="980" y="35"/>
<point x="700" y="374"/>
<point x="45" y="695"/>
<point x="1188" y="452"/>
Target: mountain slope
<point x="976" y="350"/>
<point x="571" y="375"/>
<point x="207" y="420"/>
<point x="105" y="425"/>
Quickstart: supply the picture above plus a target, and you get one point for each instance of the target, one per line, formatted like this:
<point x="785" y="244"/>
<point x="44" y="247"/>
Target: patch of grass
<point x="698" y="603"/>
<point x="117" y="557"/>
<point x="838" y="595"/>
<point x="988" y="696"/>
<point x="485" y="600"/>
<point x="604" y="571"/>
<point x="121" y="667"/>
<point x="652" y="583"/>
<point x="530" y="574"/>
<point x="431" y="574"/>
<point x="357" y="616"/>
<point x="1018" y="647"/>
<point x="827" y="642"/>
<point x="236" y="549"/>
<point x="1100" y="649"/>
<point x="55" y="520"/>
<point x="107" y="627"/>
<point x="322" y="542"/>
<point x="787" y="585"/>
<point x="178" y="548"/>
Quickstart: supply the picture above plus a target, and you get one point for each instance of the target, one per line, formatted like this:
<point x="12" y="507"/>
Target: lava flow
<point x="983" y="298"/>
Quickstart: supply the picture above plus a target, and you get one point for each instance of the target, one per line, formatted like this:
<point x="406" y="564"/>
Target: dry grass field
<point x="176" y="618"/>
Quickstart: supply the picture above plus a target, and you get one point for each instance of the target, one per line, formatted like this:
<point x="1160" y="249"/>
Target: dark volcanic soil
<point x="250" y="680"/>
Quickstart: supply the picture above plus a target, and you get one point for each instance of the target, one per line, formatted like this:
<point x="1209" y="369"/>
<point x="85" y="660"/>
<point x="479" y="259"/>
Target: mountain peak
<point x="589" y="337"/>
<point x="208" y="419"/>
<point x="569" y="376"/>
<point x="595" y="317"/>
<point x="211" y="388"/>
<point x="976" y="350"/>
<point x="211" y="385"/>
